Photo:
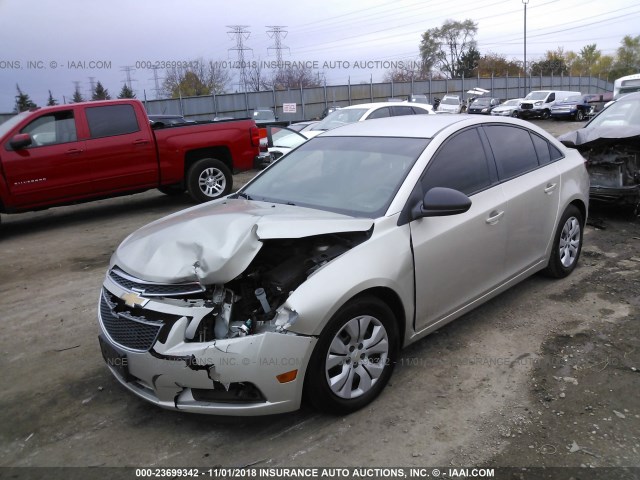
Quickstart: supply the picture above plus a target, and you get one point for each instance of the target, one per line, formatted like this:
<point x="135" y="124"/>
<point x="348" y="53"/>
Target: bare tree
<point x="195" y="78"/>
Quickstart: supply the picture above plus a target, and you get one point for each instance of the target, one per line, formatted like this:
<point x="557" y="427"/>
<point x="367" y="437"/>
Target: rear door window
<point x="460" y="164"/>
<point x="380" y="113"/>
<point x="512" y="149"/>
<point x="111" y="120"/>
<point x="398" y="111"/>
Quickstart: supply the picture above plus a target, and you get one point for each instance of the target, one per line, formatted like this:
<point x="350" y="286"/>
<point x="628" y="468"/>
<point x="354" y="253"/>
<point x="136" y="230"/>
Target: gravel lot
<point x="546" y="374"/>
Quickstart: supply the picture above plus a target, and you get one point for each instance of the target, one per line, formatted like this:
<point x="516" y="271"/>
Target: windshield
<point x="625" y="90"/>
<point x="450" y="101"/>
<point x="341" y="117"/>
<point x="357" y="176"/>
<point x="286" y="138"/>
<point x="481" y="102"/>
<point x="12" y="122"/>
<point x="621" y="113"/>
<point x="536" y="96"/>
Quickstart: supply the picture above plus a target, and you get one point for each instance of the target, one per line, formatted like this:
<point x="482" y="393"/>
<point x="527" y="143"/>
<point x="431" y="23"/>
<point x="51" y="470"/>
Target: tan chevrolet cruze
<point x="308" y="281"/>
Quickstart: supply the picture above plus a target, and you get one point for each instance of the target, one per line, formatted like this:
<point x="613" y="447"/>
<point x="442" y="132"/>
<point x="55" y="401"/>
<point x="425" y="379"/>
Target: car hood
<point x="591" y="137"/>
<point x="215" y="242"/>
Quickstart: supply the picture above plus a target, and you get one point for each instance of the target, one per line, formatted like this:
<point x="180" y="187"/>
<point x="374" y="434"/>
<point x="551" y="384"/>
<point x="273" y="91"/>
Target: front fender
<point x="385" y="260"/>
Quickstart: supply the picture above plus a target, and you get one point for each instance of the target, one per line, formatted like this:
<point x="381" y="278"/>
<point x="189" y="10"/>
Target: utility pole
<point x="241" y="34"/>
<point x="525" y="46"/>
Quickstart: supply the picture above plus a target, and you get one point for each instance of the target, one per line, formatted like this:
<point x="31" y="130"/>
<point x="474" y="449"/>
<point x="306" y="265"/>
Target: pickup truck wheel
<point x="208" y="179"/>
<point x="579" y="115"/>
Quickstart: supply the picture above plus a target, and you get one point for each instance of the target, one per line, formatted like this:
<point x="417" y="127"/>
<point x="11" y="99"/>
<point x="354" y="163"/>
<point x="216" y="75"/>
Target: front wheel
<point x="354" y="357"/>
<point x="579" y="115"/>
<point x="545" y="114"/>
<point x="208" y="179"/>
<point x="567" y="244"/>
<point x="514" y="114"/>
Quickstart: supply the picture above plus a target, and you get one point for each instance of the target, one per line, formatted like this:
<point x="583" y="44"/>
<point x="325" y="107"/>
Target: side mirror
<point x="441" y="202"/>
<point x="21" y="140"/>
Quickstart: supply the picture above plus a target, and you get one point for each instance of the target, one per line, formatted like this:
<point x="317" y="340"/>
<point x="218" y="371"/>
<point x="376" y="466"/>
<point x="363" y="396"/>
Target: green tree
<point x="628" y="57"/>
<point x="77" y="96"/>
<point x="23" y="102"/>
<point x="446" y="46"/>
<point x="51" y="101"/>
<point x="100" y="93"/>
<point x="589" y="55"/>
<point x="200" y="78"/>
<point x="469" y="62"/>
<point x="126" y="92"/>
<point x="552" y="64"/>
<point x="497" y="65"/>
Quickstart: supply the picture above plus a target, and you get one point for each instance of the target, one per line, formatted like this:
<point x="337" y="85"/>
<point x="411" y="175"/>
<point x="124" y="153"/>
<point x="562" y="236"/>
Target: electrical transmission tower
<point x="277" y="33"/>
<point x="156" y="81"/>
<point x="127" y="70"/>
<point x="241" y="34"/>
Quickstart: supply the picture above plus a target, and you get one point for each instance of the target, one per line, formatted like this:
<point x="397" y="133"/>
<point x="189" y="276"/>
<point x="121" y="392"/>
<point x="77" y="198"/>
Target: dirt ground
<point x="546" y="374"/>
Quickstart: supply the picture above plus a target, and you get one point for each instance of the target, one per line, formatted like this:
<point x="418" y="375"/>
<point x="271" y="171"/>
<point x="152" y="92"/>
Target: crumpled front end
<point x="216" y="341"/>
<point x="615" y="174"/>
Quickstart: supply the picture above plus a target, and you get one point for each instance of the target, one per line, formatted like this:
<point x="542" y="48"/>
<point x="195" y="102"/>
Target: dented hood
<point x="591" y="137"/>
<point x="213" y="243"/>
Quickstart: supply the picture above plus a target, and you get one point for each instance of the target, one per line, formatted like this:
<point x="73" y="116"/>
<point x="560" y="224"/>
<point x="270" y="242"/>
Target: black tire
<point x="172" y="190"/>
<point x="514" y="114"/>
<point x="564" y="255"/>
<point x="579" y="115"/>
<point x="360" y="362"/>
<point x="545" y="114"/>
<point x="208" y="179"/>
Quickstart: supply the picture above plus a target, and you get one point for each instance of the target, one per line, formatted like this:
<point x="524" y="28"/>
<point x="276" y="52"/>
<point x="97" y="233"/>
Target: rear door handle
<point x="494" y="217"/>
<point x="73" y="151"/>
<point x="550" y="188"/>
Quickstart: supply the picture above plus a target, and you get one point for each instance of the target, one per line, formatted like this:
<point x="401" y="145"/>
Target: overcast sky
<point x="50" y="44"/>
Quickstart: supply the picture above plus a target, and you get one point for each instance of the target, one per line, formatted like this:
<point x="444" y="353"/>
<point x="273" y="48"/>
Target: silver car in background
<point x="509" y="108"/>
<point x="362" y="240"/>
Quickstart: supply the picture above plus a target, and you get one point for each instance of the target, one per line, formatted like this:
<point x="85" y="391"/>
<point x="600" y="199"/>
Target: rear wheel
<point x="567" y="244"/>
<point x="354" y="357"/>
<point x="208" y="179"/>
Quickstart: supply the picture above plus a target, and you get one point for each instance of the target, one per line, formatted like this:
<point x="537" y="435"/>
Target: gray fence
<point x="311" y="102"/>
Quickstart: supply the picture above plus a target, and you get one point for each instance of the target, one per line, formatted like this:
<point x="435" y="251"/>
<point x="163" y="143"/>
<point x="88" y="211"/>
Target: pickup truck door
<point x="52" y="168"/>
<point x="120" y="148"/>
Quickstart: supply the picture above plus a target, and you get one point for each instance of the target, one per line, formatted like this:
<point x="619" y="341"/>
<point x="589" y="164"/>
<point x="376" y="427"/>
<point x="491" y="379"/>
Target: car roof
<point x="421" y="126"/>
<point x="381" y="104"/>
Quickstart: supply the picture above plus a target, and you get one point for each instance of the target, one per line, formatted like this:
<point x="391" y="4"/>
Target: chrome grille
<point x="126" y="330"/>
<point x="151" y="289"/>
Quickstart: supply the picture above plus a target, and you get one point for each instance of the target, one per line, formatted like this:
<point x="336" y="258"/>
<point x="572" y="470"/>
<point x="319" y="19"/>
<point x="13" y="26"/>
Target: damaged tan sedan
<point x="308" y="281"/>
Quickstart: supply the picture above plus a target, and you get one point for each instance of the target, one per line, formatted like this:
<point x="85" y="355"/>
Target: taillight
<point x="256" y="135"/>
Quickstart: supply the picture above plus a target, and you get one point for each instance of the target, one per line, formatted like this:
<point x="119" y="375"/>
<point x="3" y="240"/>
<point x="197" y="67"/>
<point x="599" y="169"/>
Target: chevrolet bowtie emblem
<point x="133" y="300"/>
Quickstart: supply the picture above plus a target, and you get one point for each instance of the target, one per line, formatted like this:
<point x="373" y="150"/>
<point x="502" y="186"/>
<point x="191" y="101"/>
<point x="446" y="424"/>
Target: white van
<point x="538" y="103"/>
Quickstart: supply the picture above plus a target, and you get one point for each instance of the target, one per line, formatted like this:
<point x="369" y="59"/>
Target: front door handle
<point x="142" y="141"/>
<point x="494" y="217"/>
<point x="550" y="188"/>
<point x="73" y="151"/>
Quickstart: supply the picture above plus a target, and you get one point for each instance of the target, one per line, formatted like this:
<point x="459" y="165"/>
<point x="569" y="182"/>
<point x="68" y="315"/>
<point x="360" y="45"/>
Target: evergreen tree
<point x="52" y="101"/>
<point x="77" y="96"/>
<point x="23" y="102"/>
<point x="100" y="93"/>
<point x="126" y="92"/>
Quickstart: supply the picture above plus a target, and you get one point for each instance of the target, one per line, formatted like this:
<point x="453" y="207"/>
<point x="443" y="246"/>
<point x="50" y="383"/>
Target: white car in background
<point x="510" y="108"/>
<point x="451" y="104"/>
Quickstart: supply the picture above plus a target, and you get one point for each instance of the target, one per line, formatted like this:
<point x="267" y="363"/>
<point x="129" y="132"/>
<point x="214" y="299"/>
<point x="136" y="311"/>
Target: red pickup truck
<point x="85" y="151"/>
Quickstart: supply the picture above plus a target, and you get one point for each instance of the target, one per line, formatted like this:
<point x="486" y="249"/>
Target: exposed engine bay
<point x="614" y="166"/>
<point x="248" y="303"/>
